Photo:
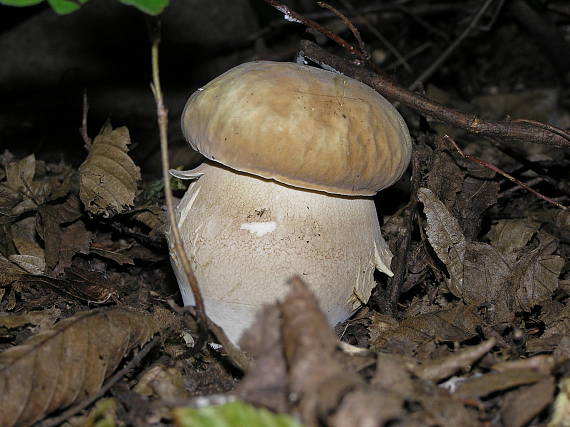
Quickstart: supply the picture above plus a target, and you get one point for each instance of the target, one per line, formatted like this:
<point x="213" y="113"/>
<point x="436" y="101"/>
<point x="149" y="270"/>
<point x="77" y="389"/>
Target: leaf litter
<point x="481" y="332"/>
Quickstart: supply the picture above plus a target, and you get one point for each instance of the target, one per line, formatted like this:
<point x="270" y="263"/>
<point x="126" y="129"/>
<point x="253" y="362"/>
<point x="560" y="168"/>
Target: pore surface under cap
<point x="299" y="125"/>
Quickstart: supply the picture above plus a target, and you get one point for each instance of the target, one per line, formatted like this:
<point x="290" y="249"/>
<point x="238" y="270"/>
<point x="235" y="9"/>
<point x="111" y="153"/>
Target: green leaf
<point x="152" y="7"/>
<point x="63" y="7"/>
<point x="20" y="3"/>
<point x="233" y="414"/>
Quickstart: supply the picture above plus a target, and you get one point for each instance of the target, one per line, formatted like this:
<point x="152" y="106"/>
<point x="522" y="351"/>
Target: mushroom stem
<point x="246" y="236"/>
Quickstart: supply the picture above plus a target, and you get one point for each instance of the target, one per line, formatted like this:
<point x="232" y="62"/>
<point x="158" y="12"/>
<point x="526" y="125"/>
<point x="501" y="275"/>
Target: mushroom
<point x="294" y="154"/>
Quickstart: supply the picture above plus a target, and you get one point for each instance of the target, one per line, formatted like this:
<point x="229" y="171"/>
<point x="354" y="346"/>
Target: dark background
<point x="47" y="61"/>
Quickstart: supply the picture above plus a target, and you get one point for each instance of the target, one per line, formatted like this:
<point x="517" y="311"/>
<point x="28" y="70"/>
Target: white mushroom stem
<point x="246" y="236"/>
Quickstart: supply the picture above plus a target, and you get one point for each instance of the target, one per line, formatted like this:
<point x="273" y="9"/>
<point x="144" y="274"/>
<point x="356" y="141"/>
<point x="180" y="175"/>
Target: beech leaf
<point x="446" y="238"/>
<point x="55" y="368"/>
<point x="108" y="177"/>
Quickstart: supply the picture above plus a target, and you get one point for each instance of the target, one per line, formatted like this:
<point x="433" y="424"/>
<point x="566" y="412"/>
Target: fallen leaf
<point x="456" y="324"/>
<point x="42" y="319"/>
<point x="108" y="177"/>
<point x="446" y="238"/>
<point x="508" y="236"/>
<point x="165" y="383"/>
<point x="315" y="374"/>
<point x="75" y="239"/>
<point x="86" y="286"/>
<point x="55" y="368"/>
<point x="497" y="381"/>
<point x="31" y="263"/>
<point x="9" y="272"/>
<point x="535" y="278"/>
<point x="522" y="405"/>
<point x="478" y="193"/>
<point x="265" y="384"/>
<point x="118" y="257"/>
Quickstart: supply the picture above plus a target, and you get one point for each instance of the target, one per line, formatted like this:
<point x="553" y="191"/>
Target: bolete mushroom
<point x="294" y="154"/>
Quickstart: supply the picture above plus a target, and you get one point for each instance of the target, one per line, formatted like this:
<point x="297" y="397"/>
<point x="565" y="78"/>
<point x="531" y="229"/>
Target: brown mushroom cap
<point x="301" y="126"/>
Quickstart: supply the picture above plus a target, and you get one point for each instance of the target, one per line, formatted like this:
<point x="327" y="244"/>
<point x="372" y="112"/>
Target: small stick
<point x="83" y="128"/>
<point x="503" y="173"/>
<point x="349" y="24"/>
<point x="401" y="59"/>
<point x="447" y="52"/>
<point x="179" y="251"/>
<point x="137" y="358"/>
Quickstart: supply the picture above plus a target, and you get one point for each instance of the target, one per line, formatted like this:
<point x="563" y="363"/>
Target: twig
<point x="561" y="132"/>
<point x="402" y="255"/>
<point x="350" y="26"/>
<point x="137" y="358"/>
<point x="503" y="173"/>
<point x="291" y="15"/>
<point x="83" y="128"/>
<point x="179" y="251"/>
<point x="521" y="131"/>
<point x="437" y="63"/>
<point x="401" y="59"/>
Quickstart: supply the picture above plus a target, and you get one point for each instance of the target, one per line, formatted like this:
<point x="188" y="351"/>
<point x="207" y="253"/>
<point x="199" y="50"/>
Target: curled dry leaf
<point x="505" y="279"/>
<point x="446" y="238"/>
<point x="108" y="177"/>
<point x="315" y="373"/>
<point x="55" y="368"/>
<point x="525" y="403"/>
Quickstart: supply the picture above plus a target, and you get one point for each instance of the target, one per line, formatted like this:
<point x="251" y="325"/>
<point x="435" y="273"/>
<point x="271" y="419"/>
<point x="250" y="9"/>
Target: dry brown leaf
<point x="165" y="383"/>
<point x="52" y="217"/>
<point x="75" y="239"/>
<point x="535" y="275"/>
<point x="108" y="177"/>
<point x="9" y="272"/>
<point x="153" y="217"/>
<point x="266" y="382"/>
<point x="497" y="381"/>
<point x="55" y="368"/>
<point x="88" y="286"/>
<point x="368" y="407"/>
<point x="511" y="235"/>
<point x="40" y="319"/>
<point x="315" y="374"/>
<point x="455" y="325"/>
<point x="446" y="238"/>
<point x="20" y="174"/>
<point x="524" y="404"/>
<point x="477" y="194"/>
<point x="118" y="257"/>
<point x="439" y="369"/>
<point x="28" y="186"/>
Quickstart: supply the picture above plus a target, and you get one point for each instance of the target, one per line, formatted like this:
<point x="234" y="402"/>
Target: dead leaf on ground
<point x="316" y="375"/>
<point x="87" y="286"/>
<point x="446" y="238"/>
<point x="28" y="186"/>
<point x="108" y="177"/>
<point x="525" y="403"/>
<point x="55" y="368"/>
<point x="511" y="235"/>
<point x="502" y="282"/>
<point x="266" y="382"/>
<point x="165" y="383"/>
<point x="455" y="324"/>
<point x="497" y="381"/>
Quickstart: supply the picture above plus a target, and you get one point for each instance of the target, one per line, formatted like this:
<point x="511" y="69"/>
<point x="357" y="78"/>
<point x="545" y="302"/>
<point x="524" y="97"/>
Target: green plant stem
<point x="162" y="116"/>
